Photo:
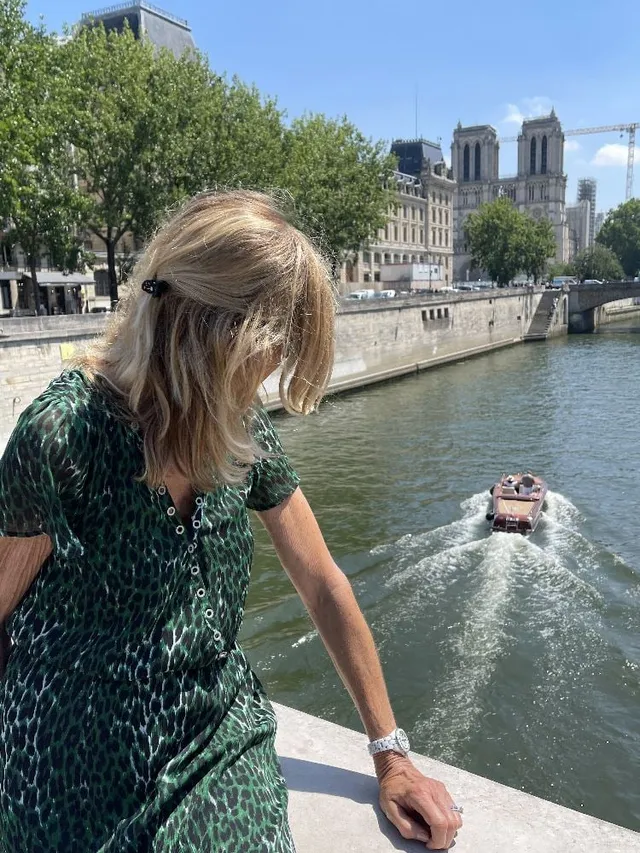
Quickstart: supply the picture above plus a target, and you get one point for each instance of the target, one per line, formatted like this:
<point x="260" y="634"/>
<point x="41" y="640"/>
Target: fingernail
<point x="423" y="836"/>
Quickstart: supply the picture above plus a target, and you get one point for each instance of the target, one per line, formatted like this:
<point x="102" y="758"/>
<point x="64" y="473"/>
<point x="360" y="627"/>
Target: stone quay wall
<point x="375" y="341"/>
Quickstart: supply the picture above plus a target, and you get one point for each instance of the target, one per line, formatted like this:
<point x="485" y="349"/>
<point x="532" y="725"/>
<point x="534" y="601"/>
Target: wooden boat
<point x="517" y="503"/>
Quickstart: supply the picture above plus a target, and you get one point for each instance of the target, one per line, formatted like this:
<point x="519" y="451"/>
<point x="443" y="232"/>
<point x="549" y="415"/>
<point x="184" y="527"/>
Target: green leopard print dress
<point x="130" y="718"/>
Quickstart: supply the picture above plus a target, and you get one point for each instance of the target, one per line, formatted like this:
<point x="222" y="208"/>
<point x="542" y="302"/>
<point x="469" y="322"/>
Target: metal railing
<point x="136" y="4"/>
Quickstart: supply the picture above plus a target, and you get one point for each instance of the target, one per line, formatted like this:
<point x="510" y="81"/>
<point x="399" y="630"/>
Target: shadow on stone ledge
<point x="313" y="778"/>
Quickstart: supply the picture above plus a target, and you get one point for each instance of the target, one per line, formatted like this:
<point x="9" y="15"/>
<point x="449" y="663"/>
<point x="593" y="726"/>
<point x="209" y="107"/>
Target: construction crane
<point x="622" y="128"/>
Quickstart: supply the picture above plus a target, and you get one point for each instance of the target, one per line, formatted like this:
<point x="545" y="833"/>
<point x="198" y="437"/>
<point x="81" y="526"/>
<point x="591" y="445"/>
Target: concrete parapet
<point x="333" y="802"/>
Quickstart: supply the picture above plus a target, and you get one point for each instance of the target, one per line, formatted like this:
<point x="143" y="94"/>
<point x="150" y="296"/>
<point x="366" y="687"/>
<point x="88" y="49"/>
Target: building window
<point x="446" y="262"/>
<point x="424" y="315"/>
<point x="404" y="233"/>
<point x="433" y="235"/>
<point x="413" y="213"/>
<point x="366" y="258"/>
<point x="433" y="197"/>
<point x="367" y="277"/>
<point x="102" y="283"/>
<point x="421" y="259"/>
<point x="405" y="212"/>
<point x="466" y="168"/>
<point x="376" y="258"/>
<point x="413" y="235"/>
<point x="421" y="235"/>
<point x="440" y="216"/>
<point x="440" y="236"/>
<point x="465" y="199"/>
<point x="421" y="215"/>
<point x="543" y="156"/>
<point x="477" y="163"/>
<point x="376" y="276"/>
<point x="433" y="214"/>
<point x="531" y="192"/>
<point x="405" y="259"/>
<point x="446" y="217"/>
<point x="439" y="313"/>
<point x="446" y="312"/>
<point x="532" y="157"/>
<point x="446" y="238"/>
<point x="432" y="314"/>
<point x="387" y="258"/>
<point x="386" y="233"/>
<point x="395" y="233"/>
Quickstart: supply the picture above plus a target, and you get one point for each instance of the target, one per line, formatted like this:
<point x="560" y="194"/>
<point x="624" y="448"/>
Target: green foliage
<point x="597" y="262"/>
<point x="620" y="232"/>
<point x="337" y="179"/>
<point x="102" y="132"/>
<point x="38" y="198"/>
<point x="538" y="245"/>
<point x="556" y="269"/>
<point x="505" y="242"/>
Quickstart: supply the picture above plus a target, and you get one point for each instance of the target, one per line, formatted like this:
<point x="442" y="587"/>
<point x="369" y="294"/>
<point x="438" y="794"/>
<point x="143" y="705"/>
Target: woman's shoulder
<point x="61" y="417"/>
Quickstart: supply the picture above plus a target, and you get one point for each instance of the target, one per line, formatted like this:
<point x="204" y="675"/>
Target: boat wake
<point x="482" y="601"/>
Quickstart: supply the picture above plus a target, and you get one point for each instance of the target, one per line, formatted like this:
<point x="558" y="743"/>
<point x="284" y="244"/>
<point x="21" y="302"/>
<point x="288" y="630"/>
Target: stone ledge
<point x="333" y="802"/>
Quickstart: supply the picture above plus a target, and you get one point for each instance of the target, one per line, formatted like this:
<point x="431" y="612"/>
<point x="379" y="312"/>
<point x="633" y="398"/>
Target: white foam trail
<point x="304" y="639"/>
<point x="473" y="654"/>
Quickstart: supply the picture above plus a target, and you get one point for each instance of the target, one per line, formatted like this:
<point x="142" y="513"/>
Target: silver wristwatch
<point x="397" y="741"/>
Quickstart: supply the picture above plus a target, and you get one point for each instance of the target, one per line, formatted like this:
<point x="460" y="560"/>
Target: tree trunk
<point x="113" y="277"/>
<point x="34" y="283"/>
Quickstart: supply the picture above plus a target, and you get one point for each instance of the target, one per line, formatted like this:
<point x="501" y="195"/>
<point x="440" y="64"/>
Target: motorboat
<point x="517" y="503"/>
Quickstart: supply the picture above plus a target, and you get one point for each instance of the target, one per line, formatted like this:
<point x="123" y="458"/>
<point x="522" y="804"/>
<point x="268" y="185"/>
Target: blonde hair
<point x="247" y="291"/>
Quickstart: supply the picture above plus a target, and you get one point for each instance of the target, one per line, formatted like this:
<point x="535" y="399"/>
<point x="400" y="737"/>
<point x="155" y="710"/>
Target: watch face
<point x="403" y="740"/>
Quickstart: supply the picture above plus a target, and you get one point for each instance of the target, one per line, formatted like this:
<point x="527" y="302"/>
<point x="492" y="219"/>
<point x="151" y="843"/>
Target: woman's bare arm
<point x="21" y="558"/>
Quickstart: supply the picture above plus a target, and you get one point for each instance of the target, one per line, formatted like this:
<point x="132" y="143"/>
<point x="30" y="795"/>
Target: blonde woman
<point x="131" y="720"/>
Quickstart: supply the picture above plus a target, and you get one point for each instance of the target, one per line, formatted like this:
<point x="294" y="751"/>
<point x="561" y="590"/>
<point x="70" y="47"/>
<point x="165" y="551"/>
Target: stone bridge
<point x="584" y="299"/>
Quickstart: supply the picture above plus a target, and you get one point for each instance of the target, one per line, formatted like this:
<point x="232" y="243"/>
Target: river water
<point x="514" y="658"/>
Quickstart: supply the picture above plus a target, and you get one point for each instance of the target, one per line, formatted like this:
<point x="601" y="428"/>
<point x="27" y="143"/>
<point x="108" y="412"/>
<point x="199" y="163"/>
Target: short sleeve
<point x="39" y="476"/>
<point x="273" y="478"/>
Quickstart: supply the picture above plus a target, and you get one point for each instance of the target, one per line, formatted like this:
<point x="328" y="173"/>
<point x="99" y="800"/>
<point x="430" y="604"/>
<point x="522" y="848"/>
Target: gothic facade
<point x="538" y="188"/>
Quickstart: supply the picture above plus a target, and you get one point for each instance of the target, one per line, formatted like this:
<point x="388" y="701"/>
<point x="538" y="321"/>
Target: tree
<point x="38" y="199"/>
<point x="495" y="235"/>
<point x="337" y="178"/>
<point x="620" y="232"/>
<point x="538" y="245"/>
<point x="556" y="268"/>
<point x="597" y="262"/>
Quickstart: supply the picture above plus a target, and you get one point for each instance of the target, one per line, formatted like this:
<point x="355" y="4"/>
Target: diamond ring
<point x="458" y="809"/>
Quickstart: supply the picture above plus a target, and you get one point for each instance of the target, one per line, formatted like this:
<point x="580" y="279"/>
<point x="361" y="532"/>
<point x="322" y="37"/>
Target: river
<point x="517" y="659"/>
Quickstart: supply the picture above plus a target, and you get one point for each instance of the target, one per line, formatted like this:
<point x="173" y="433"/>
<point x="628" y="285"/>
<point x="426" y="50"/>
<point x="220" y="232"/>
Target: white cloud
<point x="614" y="154"/>
<point x="528" y="108"/>
<point x="572" y="145"/>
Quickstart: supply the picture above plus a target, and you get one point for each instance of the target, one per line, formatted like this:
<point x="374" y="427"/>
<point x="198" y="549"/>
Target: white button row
<point x="162" y="490"/>
<point x="194" y="570"/>
<point x="171" y="510"/>
<point x="201" y="592"/>
<point x="180" y="529"/>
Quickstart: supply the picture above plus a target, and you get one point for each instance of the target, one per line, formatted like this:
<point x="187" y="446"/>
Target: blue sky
<point x="476" y="62"/>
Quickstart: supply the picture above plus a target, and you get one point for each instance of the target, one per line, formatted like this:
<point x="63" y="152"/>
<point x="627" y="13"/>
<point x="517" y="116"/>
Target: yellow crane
<point x="621" y="128"/>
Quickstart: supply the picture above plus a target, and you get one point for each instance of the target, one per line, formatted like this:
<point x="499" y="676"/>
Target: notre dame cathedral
<point x="538" y="189"/>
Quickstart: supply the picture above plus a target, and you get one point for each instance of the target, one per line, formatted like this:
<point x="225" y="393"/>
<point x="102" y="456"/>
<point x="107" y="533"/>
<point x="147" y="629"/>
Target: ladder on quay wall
<point x="541" y="323"/>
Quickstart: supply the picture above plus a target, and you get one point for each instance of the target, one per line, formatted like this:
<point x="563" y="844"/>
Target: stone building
<point x="538" y="188"/>
<point x="587" y="191"/>
<point x="579" y="218"/>
<point x="419" y="228"/>
<point x="145" y="21"/>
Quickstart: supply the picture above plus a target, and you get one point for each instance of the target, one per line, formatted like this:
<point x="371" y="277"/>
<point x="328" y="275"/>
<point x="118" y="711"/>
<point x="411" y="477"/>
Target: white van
<point x="387" y="294"/>
<point x="361" y="294"/>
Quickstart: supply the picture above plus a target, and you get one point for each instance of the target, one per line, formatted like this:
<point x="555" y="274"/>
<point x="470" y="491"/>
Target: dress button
<point x="191" y="549"/>
<point x="201" y="592"/>
<point x="209" y="614"/>
<point x="162" y="490"/>
<point x="217" y="636"/>
<point x="194" y="570"/>
<point x="180" y="529"/>
<point x="171" y="510"/>
<point x="222" y="655"/>
<point x="199" y="501"/>
<point x="196" y="524"/>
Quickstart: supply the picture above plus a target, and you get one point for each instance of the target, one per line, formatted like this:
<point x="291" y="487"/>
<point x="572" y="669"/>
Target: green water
<point x="518" y="659"/>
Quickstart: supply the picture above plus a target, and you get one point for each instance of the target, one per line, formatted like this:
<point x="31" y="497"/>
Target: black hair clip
<point x="154" y="286"/>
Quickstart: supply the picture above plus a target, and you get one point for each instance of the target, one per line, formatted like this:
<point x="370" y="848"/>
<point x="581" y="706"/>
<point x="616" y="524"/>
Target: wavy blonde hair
<point x="247" y="292"/>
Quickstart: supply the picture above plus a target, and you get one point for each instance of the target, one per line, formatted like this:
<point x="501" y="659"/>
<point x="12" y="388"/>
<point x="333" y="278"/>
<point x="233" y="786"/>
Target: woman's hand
<point x="419" y="807"/>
